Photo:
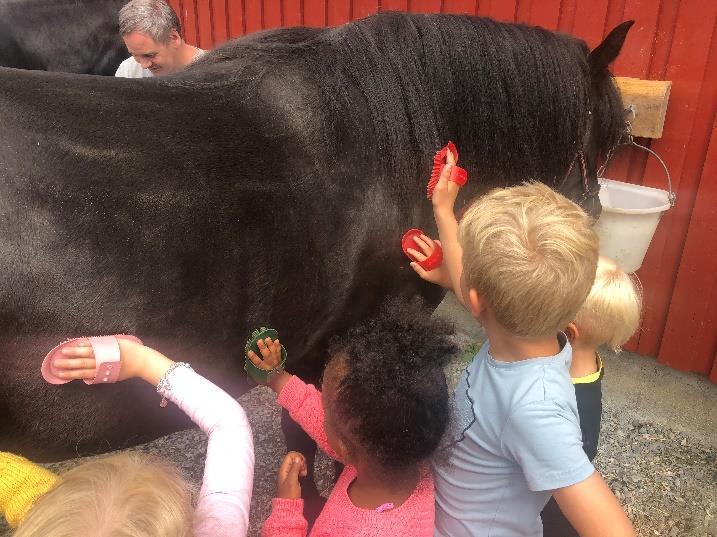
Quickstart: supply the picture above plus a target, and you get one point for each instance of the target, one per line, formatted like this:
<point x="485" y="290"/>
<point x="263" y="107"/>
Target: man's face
<point x="160" y="58"/>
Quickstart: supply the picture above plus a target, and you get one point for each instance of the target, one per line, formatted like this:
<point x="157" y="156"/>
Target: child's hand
<point x="287" y="481"/>
<point x="438" y="275"/>
<point x="270" y="359"/>
<point x="79" y="361"/>
<point x="270" y="355"/>
<point x="446" y="192"/>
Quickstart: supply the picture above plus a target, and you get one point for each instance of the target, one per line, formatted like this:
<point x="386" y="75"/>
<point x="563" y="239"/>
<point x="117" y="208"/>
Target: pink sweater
<point x="340" y="517"/>
<point x="223" y="504"/>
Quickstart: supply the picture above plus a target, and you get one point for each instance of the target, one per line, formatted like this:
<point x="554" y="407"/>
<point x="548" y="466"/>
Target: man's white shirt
<point x="131" y="69"/>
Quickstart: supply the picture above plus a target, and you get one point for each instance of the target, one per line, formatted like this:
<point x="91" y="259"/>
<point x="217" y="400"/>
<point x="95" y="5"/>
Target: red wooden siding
<point x="672" y="40"/>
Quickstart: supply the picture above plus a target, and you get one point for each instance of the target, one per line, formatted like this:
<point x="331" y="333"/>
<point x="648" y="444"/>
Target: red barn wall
<point x="671" y="40"/>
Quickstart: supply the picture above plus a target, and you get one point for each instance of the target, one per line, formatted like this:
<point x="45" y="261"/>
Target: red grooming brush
<point x="431" y="262"/>
<point x="458" y="174"/>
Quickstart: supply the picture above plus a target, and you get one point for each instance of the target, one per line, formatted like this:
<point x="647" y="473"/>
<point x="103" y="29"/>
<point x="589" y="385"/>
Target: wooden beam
<point x="649" y="100"/>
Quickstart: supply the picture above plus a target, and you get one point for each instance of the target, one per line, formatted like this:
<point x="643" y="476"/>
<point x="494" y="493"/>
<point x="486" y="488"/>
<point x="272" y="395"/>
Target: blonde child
<point x="522" y="262"/>
<point x="133" y="494"/>
<point x="609" y="316"/>
<point x="382" y="412"/>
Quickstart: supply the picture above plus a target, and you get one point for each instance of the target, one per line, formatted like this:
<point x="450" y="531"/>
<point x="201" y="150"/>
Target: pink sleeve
<point x="223" y="503"/>
<point x="303" y="402"/>
<point x="286" y="519"/>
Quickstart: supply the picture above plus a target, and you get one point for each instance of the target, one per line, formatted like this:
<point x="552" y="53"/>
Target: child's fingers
<point x="445" y="174"/>
<point x="426" y="246"/>
<point x="428" y="240"/>
<point x="254" y="359"/>
<point x="415" y="253"/>
<point x="78" y="351"/>
<point x="74" y="363"/>
<point x="264" y="347"/>
<point x="450" y="157"/>
<point x="291" y="465"/>
<point x="71" y="374"/>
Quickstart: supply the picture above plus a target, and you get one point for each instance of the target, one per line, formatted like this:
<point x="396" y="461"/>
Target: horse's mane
<point x="519" y="95"/>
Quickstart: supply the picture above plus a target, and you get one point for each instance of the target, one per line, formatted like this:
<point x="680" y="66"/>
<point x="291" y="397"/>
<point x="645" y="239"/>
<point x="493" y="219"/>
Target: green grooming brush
<point x="261" y="375"/>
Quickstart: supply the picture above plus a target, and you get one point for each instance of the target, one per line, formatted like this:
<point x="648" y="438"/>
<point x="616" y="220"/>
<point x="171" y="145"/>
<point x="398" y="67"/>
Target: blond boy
<point x="522" y="262"/>
<point x="609" y="316"/>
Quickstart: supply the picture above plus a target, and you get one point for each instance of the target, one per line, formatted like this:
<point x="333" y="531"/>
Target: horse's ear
<point x="606" y="52"/>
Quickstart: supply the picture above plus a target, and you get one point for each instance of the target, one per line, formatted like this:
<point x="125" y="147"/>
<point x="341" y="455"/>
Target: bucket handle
<point x="671" y="196"/>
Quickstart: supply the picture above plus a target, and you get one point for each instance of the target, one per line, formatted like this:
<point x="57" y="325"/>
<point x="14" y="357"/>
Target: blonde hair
<point x="611" y="312"/>
<point x="126" y="495"/>
<point x="531" y="253"/>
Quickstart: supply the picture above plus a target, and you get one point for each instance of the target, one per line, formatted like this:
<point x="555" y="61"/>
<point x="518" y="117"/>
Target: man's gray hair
<point x="154" y="18"/>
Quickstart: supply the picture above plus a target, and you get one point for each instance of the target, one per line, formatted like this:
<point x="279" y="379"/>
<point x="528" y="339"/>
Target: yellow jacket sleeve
<point x="21" y="484"/>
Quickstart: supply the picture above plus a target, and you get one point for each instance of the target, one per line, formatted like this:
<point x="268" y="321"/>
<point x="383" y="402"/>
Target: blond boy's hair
<point x="611" y="312"/>
<point x="126" y="495"/>
<point x="532" y="254"/>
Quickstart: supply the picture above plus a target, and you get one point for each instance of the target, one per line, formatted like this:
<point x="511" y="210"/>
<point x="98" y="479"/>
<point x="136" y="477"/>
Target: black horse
<point x="269" y="184"/>
<point x="73" y="36"/>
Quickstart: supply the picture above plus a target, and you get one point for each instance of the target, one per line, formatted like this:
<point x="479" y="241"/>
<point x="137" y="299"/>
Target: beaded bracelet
<point x="165" y="385"/>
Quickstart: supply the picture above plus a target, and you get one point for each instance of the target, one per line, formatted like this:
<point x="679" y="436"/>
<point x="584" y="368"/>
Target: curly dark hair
<point x="393" y="395"/>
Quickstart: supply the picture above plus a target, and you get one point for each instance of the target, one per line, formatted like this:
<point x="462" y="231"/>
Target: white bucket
<point x="630" y="214"/>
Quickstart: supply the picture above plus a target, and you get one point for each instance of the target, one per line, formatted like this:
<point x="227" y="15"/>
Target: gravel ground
<point x="666" y="480"/>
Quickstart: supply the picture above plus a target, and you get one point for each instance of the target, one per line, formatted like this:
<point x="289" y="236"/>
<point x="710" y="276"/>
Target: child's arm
<point x="303" y="401"/>
<point x="224" y="499"/>
<point x="593" y="510"/>
<point x="223" y="505"/>
<point x="287" y="509"/>
<point x="444" y="199"/>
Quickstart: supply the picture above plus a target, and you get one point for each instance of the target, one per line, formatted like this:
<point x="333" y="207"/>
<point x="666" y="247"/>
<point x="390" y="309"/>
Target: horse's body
<point x="73" y="36"/>
<point x="267" y="185"/>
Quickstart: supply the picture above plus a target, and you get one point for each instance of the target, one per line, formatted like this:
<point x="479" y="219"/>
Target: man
<point x="152" y="32"/>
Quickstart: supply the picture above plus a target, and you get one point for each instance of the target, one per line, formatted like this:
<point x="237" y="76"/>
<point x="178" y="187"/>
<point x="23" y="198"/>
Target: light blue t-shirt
<point x="523" y="442"/>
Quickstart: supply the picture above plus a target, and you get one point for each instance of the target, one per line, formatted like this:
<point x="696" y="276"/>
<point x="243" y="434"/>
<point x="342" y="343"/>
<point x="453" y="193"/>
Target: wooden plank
<point x="363" y="8"/>
<point x="545" y="14"/>
<point x="590" y="20"/>
<point x="687" y="322"/>
<point x="707" y="341"/>
<point x="293" y="15"/>
<point x="237" y="21"/>
<point x="394" y="5"/>
<point x="272" y="14"/>
<point x="502" y="10"/>
<point x="690" y="334"/>
<point x="649" y="99"/>
<point x="634" y="60"/>
<point x="204" y="24"/>
<point x="522" y="11"/>
<point x="338" y="12"/>
<point x="189" y="21"/>
<point x="315" y="12"/>
<point x="688" y="59"/>
<point x="220" y="26"/>
<point x="663" y="39"/>
<point x="425" y="6"/>
<point x="567" y="16"/>
<point x="462" y="7"/>
<point x="254" y="16"/>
